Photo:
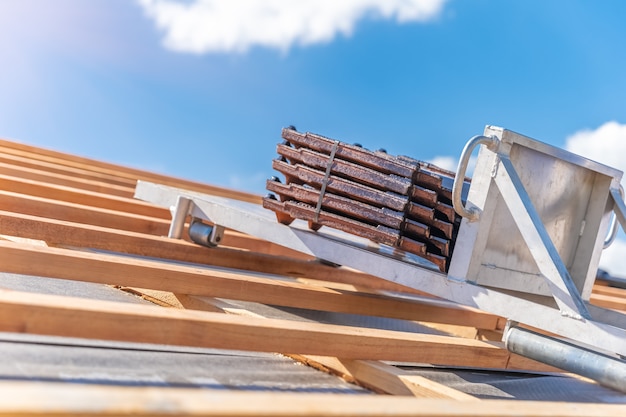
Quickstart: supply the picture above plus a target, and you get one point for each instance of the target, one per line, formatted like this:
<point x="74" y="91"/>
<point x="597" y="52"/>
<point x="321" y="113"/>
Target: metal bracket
<point x="199" y="232"/>
<point x="179" y="214"/>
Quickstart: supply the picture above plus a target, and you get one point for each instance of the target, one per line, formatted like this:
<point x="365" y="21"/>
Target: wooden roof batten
<point x="81" y="213"/>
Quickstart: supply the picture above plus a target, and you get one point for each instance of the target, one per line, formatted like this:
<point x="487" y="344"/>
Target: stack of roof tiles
<point x="392" y="200"/>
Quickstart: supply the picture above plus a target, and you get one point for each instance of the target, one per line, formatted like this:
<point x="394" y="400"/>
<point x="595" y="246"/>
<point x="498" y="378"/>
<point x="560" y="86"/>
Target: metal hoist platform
<point x="534" y="223"/>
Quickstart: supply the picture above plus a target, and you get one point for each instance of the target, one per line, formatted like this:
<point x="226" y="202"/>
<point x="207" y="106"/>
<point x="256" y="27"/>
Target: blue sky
<point x="201" y="88"/>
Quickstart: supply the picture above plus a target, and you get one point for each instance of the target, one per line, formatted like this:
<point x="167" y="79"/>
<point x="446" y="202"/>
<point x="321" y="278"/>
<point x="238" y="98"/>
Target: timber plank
<point x="73" y="317"/>
<point x="343" y="284"/>
<point x="522" y="363"/>
<point x="66" y="180"/>
<point x="64" y="159"/>
<point x="114" y="219"/>
<point x="119" y="171"/>
<point x="606" y="290"/>
<point x="235" y="239"/>
<point x="62" y="233"/>
<point x="394" y="383"/>
<point x="608" y="301"/>
<point x="388" y="379"/>
<point x="73" y="195"/>
<point x="374" y="375"/>
<point x="80" y="213"/>
<point x="39" y="398"/>
<point x="55" y="168"/>
<point x="237" y="285"/>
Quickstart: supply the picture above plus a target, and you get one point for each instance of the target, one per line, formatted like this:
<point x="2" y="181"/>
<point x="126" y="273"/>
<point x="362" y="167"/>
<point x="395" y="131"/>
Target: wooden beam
<point x="456" y="330"/>
<point x="65" y="159"/>
<point x="609" y="297"/>
<point x="113" y="219"/>
<point x="62" y="233"/>
<point x="53" y="168"/>
<point x="92" y="165"/>
<point x="81" y="213"/>
<point x="363" y="282"/>
<point x="240" y="240"/>
<point x="30" y="399"/>
<point x="381" y="379"/>
<point x="90" y="198"/>
<point x="387" y="379"/>
<point x="522" y="363"/>
<point x="193" y="280"/>
<point x="74" y="317"/>
<point x="608" y="301"/>
<point x="66" y="180"/>
<point x="374" y="375"/>
<point x="606" y="290"/>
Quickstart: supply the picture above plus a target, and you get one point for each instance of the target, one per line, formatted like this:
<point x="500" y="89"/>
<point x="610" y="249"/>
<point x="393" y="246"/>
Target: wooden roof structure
<point x="64" y="216"/>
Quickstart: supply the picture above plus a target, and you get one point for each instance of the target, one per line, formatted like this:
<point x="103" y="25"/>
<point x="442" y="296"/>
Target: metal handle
<point x="614" y="225"/>
<point x="492" y="144"/>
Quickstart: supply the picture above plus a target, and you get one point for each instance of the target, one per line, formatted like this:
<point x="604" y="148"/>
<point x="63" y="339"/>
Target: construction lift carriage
<point x="535" y="220"/>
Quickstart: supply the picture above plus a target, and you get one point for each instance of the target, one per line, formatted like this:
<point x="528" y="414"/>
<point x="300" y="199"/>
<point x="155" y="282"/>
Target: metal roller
<point x="606" y="370"/>
<point x="205" y="234"/>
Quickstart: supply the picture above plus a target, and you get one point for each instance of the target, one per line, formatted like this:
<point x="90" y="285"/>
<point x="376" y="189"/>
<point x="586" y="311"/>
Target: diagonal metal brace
<point x="538" y="241"/>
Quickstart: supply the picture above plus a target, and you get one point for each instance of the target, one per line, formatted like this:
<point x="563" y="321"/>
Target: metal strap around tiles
<point x="333" y="151"/>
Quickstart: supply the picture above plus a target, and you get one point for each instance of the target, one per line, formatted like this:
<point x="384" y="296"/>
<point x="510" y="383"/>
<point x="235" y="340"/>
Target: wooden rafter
<point x="76" y="164"/>
<point x="37" y="399"/>
<point x="72" y="317"/>
<point x="133" y="272"/>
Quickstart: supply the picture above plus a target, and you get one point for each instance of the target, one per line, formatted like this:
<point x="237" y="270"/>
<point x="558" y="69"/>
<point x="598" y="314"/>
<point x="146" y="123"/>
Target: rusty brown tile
<point x="423" y="196"/>
<point x="346" y="169"/>
<point x="379" y="161"/>
<point x="305" y="175"/>
<point x="397" y="201"/>
<point x="380" y="234"/>
<point x="341" y="205"/>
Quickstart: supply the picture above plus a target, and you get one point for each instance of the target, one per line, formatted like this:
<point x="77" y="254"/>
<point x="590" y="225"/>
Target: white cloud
<point x="451" y="163"/>
<point x="606" y="144"/>
<point x="613" y="260"/>
<point x="201" y="26"/>
<point x="445" y="162"/>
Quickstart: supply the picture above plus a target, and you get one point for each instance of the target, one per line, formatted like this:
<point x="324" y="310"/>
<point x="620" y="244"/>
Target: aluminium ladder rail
<point x="519" y="190"/>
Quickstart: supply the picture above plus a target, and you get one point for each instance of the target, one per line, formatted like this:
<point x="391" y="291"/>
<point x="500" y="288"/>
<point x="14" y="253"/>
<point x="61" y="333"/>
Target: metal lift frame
<point x="505" y="211"/>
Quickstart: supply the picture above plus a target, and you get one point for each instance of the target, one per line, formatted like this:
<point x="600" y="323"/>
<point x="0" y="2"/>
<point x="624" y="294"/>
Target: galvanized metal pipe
<point x="604" y="369"/>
